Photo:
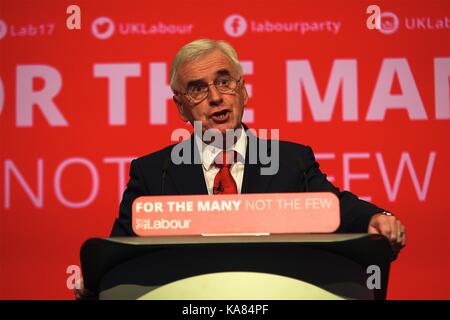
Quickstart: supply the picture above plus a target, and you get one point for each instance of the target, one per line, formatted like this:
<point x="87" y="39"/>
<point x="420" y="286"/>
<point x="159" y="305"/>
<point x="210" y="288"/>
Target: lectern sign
<point x="268" y="213"/>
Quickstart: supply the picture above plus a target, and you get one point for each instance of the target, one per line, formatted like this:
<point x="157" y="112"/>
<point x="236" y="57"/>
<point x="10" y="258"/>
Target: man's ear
<point x="180" y="109"/>
<point x="244" y="93"/>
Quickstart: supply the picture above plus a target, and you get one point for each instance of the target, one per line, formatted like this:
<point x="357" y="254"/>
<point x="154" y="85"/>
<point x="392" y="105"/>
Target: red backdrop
<point x="373" y="104"/>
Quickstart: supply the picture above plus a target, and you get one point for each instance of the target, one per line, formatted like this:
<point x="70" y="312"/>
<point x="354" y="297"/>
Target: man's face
<point x="219" y="111"/>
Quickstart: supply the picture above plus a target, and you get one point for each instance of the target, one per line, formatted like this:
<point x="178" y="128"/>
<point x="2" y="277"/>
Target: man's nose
<point x="214" y="96"/>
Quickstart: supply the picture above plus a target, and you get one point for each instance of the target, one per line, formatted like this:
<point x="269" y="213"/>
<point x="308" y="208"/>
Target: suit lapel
<point x="254" y="181"/>
<point x="188" y="178"/>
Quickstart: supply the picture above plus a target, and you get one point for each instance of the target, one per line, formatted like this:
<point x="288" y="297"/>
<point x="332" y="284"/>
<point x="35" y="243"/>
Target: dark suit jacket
<point x="298" y="172"/>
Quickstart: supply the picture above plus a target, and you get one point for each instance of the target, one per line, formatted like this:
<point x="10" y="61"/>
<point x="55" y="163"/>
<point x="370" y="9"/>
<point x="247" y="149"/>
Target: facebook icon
<point x="235" y="25"/>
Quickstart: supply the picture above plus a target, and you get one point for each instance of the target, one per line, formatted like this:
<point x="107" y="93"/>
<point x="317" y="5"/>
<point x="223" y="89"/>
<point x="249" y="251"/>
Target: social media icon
<point x="235" y="25"/>
<point x="3" y="29"/>
<point x="389" y="22"/>
<point x="103" y="28"/>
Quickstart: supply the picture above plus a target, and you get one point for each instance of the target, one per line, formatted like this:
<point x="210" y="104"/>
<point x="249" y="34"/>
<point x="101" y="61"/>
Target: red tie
<point x="223" y="181"/>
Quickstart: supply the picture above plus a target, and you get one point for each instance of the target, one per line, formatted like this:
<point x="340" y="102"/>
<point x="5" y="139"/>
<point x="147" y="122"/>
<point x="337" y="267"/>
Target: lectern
<point x="288" y="266"/>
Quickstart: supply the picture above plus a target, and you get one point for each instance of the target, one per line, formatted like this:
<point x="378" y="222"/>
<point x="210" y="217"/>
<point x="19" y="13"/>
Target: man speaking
<point x="208" y="85"/>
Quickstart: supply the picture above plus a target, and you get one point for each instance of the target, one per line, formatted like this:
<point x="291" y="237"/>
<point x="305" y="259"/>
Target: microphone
<point x="218" y="189"/>
<point x="302" y="167"/>
<point x="165" y="168"/>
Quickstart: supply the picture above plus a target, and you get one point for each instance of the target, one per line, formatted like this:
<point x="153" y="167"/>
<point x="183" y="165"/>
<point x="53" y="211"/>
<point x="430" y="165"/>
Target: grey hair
<point x="197" y="48"/>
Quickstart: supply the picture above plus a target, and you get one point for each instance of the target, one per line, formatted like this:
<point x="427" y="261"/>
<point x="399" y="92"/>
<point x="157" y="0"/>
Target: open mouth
<point x="221" y="116"/>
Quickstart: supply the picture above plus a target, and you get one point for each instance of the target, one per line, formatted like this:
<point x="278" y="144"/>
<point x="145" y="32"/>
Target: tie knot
<point x="225" y="158"/>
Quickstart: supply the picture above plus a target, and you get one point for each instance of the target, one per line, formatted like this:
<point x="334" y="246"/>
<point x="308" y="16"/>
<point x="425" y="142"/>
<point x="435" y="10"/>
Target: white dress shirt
<point x="208" y="153"/>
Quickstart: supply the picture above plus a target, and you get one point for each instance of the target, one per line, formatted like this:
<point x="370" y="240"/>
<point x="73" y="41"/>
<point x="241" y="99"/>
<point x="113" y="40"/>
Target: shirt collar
<point x="209" y="152"/>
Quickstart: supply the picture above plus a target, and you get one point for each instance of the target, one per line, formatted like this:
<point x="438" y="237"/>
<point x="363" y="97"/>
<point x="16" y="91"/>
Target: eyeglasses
<point x="196" y="93"/>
